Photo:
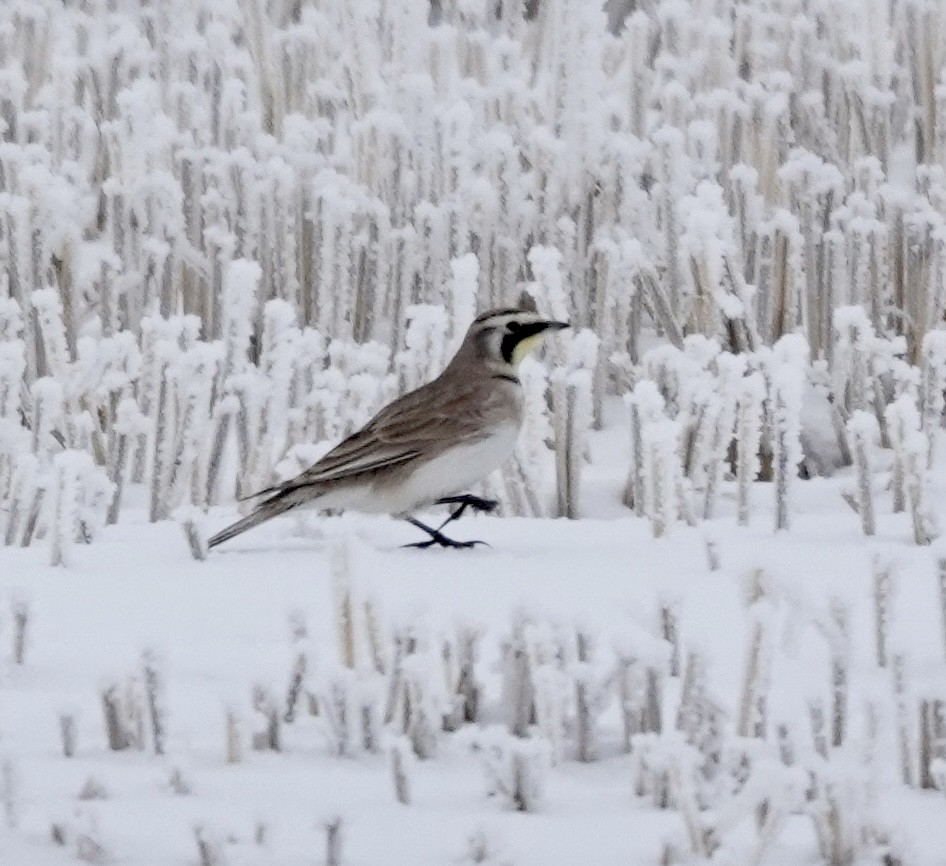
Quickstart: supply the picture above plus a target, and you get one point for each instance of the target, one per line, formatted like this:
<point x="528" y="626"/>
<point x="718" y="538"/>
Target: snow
<point x="232" y="230"/>
<point x="222" y="629"/>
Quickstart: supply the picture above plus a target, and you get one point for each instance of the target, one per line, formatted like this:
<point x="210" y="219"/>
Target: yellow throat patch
<point x="524" y="347"/>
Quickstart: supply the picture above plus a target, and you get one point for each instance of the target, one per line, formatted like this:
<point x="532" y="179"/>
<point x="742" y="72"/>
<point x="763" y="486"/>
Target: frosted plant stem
<point x="268" y="737"/>
<point x="660" y="454"/>
<point x="840" y="672"/>
<point x="146" y="396"/>
<point x="233" y="738"/>
<point x="839" y="685"/>
<point x="116" y="734"/>
<point x="585" y="727"/>
<point x="938" y="736"/>
<point x="687" y="709"/>
<point x="196" y="542"/>
<point x="67" y="732"/>
<point x="713" y="562"/>
<point x="577" y="415"/>
<point x="753" y="675"/>
<point x="344" y="604"/>
<point x="400" y="757"/>
<point x="700" y="837"/>
<point x="32" y="515"/>
<point x="296" y="682"/>
<point x="925" y="749"/>
<point x="418" y="726"/>
<point x="467" y="687"/>
<point x="915" y="483"/>
<point x="670" y="632"/>
<point x="21" y="621"/>
<point x="903" y="722"/>
<point x="158" y="504"/>
<point x="524" y="786"/>
<point x="49" y="309"/>
<point x="653" y="700"/>
<point x="338" y="715"/>
<point x="404" y="645"/>
<point x="748" y="442"/>
<point x="664" y="311"/>
<point x="897" y="416"/>
<point x="897" y="483"/>
<point x="374" y="635"/>
<point x="184" y="465"/>
<point x="10" y="793"/>
<point x="518" y="691"/>
<point x="244" y="439"/>
<point x="941" y="579"/>
<point x="209" y="850"/>
<point x="933" y="378"/>
<point x="336" y="711"/>
<point x="731" y="369"/>
<point x="750" y="681"/>
<point x="154" y="691"/>
<point x="133" y="718"/>
<point x="629" y="702"/>
<point x="223" y="419"/>
<point x="818" y="734"/>
<point x="786" y="746"/>
<point x="634" y="491"/>
<point x="862" y="428"/>
<point x="63" y="529"/>
<point x="118" y="473"/>
<point x="24" y="478"/>
<point x="882" y="571"/>
<point x="781" y="471"/>
<point x="683" y="494"/>
<point x="370" y="734"/>
<point x="563" y="459"/>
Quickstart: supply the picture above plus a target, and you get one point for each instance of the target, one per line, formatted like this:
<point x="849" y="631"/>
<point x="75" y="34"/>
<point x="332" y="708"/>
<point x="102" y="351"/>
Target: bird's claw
<point x="467" y="500"/>
<point x="456" y="545"/>
<point x="477" y="503"/>
<point x="443" y="541"/>
<point x="464" y="501"/>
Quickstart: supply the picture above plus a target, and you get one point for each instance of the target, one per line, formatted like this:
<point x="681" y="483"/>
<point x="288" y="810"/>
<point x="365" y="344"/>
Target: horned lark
<point x="428" y="445"/>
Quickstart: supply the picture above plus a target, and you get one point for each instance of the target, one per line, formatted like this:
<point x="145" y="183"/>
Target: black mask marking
<point x="515" y="334"/>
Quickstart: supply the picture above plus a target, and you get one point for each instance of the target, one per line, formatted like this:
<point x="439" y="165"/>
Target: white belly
<point x="454" y="471"/>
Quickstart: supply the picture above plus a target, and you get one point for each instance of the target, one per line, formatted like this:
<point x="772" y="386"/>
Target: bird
<point x="428" y="445"/>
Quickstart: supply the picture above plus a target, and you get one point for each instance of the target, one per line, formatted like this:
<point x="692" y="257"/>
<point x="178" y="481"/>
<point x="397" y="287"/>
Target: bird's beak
<point x="536" y="329"/>
<point x="529" y="336"/>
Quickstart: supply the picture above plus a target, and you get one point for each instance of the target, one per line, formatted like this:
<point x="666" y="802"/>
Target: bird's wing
<point x="421" y="423"/>
<point x="347" y="460"/>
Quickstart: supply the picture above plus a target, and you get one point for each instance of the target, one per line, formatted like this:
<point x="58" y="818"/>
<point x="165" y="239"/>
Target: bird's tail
<point x="263" y="512"/>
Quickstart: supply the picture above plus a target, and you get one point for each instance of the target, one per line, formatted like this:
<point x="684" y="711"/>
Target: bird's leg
<point x="436" y="537"/>
<point x="464" y="501"/>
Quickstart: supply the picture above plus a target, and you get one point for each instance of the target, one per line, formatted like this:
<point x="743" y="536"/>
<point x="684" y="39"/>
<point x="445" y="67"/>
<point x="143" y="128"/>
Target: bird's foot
<point x="464" y="501"/>
<point x="443" y="541"/>
<point x="468" y="500"/>
<point x="438" y="538"/>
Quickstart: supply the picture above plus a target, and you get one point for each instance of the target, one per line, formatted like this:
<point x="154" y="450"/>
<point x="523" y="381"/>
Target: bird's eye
<point x="512" y="327"/>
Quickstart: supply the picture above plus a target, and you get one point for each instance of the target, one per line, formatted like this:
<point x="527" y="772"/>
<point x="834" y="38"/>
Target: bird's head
<point x="503" y="337"/>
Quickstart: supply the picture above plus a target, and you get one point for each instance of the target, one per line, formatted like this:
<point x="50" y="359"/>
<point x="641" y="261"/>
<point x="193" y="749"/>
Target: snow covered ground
<point x="222" y="627"/>
<point x="231" y="231"/>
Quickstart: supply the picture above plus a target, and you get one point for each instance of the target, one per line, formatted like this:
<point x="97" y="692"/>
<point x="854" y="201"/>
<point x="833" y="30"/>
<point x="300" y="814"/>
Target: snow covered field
<point x="710" y="624"/>
<point x="222" y="627"/>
